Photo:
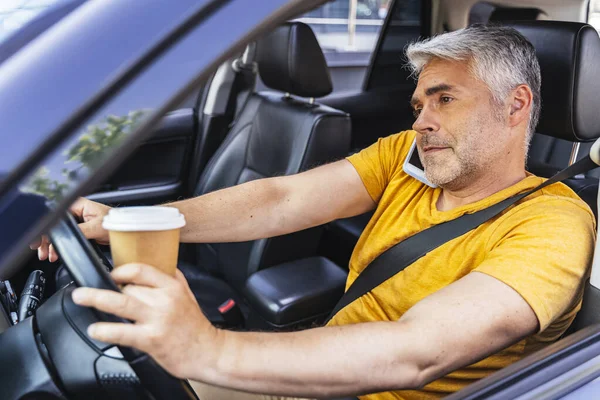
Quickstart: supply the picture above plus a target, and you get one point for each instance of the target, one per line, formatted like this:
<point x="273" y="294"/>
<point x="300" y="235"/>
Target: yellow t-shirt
<point x="541" y="247"/>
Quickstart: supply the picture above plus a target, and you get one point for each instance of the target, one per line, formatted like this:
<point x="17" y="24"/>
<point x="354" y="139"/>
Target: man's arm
<point x="458" y="325"/>
<point x="275" y="206"/>
<point x="253" y="210"/>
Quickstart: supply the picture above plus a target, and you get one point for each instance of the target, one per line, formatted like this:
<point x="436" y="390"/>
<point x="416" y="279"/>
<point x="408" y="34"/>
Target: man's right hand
<point x="91" y="213"/>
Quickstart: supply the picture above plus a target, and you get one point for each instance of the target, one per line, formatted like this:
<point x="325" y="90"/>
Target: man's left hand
<point x="167" y="321"/>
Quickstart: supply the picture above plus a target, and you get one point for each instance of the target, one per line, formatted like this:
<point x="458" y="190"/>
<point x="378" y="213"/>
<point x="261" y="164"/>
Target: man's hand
<point x="91" y="213"/>
<point x="168" y="323"/>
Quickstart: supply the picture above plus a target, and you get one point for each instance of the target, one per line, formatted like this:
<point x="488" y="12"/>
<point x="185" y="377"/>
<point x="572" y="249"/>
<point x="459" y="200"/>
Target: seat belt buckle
<point x="231" y="313"/>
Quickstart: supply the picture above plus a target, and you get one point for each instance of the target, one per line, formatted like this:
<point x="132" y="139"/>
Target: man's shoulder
<point x="556" y="203"/>
<point x="562" y="195"/>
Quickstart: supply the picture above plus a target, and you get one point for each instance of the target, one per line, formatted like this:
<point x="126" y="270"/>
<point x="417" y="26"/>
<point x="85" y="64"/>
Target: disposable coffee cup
<point x="148" y="235"/>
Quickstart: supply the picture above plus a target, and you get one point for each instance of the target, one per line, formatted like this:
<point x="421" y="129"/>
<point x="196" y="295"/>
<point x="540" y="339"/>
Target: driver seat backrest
<point x="569" y="55"/>
<point x="276" y="134"/>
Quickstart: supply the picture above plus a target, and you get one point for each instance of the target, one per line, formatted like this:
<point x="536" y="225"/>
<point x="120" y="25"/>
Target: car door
<point x="568" y="369"/>
<point x="53" y="132"/>
<point x="159" y="166"/>
<point x="157" y="170"/>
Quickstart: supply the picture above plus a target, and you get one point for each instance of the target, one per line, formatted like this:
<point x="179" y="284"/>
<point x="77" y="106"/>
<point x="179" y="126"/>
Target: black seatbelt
<point x="242" y="88"/>
<point x="243" y="84"/>
<point x="396" y="258"/>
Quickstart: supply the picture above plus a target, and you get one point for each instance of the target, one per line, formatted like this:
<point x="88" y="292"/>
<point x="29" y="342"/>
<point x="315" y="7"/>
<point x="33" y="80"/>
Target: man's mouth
<point x="433" y="149"/>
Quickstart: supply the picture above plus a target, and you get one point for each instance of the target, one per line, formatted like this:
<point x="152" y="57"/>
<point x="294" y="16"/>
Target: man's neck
<point x="477" y="189"/>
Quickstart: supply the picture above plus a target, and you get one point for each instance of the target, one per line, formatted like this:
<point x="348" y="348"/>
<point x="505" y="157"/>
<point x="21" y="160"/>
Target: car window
<point x="594" y="14"/>
<point x="483" y="12"/>
<point x="347" y="30"/>
<point x="409" y="20"/>
<point x="103" y="139"/>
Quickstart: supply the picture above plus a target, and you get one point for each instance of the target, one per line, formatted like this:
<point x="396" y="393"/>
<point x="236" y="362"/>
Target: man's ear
<point x="520" y="104"/>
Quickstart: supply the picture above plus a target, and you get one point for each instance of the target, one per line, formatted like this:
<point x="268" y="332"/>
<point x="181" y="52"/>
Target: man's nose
<point x="427" y="121"/>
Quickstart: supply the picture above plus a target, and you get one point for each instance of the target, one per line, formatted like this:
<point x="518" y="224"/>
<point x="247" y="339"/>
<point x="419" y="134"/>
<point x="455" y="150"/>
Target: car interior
<point x="294" y="120"/>
<point x="276" y="110"/>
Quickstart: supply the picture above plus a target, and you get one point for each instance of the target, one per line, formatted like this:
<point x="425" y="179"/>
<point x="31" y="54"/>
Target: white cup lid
<point x="139" y="219"/>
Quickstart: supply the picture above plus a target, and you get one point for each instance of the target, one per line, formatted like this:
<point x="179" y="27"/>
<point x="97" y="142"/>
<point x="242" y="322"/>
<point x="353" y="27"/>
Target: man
<point x="472" y="306"/>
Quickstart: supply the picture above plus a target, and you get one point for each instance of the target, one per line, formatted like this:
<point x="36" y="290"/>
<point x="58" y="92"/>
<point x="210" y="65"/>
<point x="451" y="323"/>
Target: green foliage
<point x="89" y="151"/>
<point x="50" y="188"/>
<point x="92" y="146"/>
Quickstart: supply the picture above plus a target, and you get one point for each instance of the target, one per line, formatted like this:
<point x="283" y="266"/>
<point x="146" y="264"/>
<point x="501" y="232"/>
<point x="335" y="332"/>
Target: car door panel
<point x="547" y="370"/>
<point x="156" y="171"/>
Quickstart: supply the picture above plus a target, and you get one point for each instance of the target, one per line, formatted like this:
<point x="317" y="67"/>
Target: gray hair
<point x="498" y="56"/>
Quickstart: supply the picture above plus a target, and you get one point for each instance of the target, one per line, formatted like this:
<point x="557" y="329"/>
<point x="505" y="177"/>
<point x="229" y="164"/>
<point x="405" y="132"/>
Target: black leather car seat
<point x="547" y="154"/>
<point x="275" y="134"/>
<point x="569" y="55"/>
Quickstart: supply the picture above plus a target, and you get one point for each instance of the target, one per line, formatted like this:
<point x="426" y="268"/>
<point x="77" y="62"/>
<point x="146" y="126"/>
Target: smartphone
<point x="413" y="167"/>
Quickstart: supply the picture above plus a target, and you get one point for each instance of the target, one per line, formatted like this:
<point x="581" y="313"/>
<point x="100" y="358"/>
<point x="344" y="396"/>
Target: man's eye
<point x="416" y="112"/>
<point x="446" y="99"/>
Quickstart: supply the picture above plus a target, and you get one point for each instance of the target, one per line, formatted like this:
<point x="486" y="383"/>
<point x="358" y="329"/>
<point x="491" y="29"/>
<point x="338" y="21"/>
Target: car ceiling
<point x="454" y="14"/>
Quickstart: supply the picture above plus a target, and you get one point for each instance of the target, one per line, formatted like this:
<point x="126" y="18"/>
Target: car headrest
<point x="569" y="56"/>
<point x="290" y="60"/>
<point x="515" y="14"/>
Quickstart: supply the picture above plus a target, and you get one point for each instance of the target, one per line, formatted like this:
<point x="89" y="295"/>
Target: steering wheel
<point x="85" y="264"/>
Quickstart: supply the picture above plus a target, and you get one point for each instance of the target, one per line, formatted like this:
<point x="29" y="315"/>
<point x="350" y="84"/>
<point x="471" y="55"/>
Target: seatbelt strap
<point x="244" y="82"/>
<point x="395" y="259"/>
<point x="242" y="88"/>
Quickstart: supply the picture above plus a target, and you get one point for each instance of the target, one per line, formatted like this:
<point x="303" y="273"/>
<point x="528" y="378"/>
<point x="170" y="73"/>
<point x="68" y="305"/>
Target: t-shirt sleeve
<point x="543" y="251"/>
<point x="378" y="163"/>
